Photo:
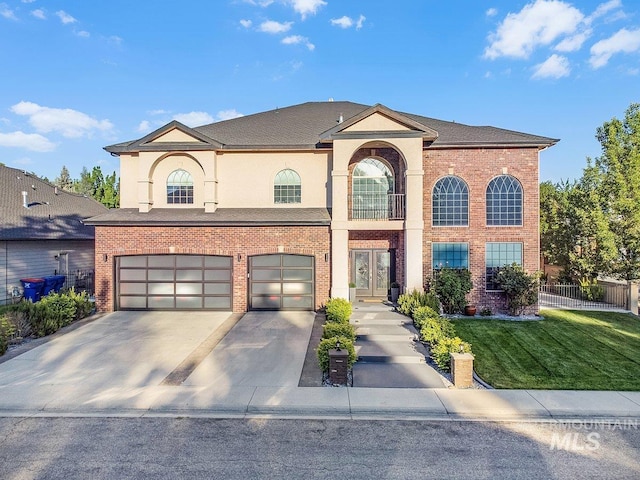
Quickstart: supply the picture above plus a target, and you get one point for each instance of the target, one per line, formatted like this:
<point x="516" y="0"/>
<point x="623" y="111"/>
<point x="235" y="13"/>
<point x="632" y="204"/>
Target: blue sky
<point x="78" y="75"/>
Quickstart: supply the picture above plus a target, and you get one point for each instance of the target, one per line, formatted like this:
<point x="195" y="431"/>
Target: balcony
<point x="376" y="207"/>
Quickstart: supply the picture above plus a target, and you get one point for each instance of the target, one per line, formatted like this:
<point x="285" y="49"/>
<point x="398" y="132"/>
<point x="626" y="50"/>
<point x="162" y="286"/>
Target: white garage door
<point x="281" y="282"/>
<point x="174" y="282"/>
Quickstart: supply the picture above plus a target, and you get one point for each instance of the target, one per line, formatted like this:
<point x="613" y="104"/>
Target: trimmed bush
<point x="327" y="344"/>
<point x="451" y="287"/>
<point x="408" y="303"/>
<point x="436" y="329"/>
<point x="338" y="310"/>
<point x="52" y="313"/>
<point x="422" y="314"/>
<point x="334" y="329"/>
<point x="520" y="287"/>
<point x="6" y="331"/>
<point x="440" y="352"/>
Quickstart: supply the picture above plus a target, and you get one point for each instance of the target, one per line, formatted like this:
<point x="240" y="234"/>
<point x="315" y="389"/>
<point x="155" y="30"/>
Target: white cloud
<point x="6" y="12"/>
<point x="492" y="12"/>
<point x="307" y="7"/>
<point x="259" y="3"/>
<point x="144" y="126"/>
<point x="83" y="33"/>
<point x="298" y="39"/>
<point x="348" y="22"/>
<point x="538" y="23"/>
<point x="623" y="41"/>
<point x="193" y="119"/>
<point x="246" y="23"/>
<point x="271" y="26"/>
<point x="39" y="13"/>
<point x="69" y="123"/>
<point x="574" y="42"/>
<point x="115" y="40"/>
<point x="30" y="141"/>
<point x="603" y="9"/>
<point x="65" y="18"/>
<point x="23" y="161"/>
<point x="28" y="1"/>
<point x="556" y="66"/>
<point x="228" y="114"/>
<point x="158" y="112"/>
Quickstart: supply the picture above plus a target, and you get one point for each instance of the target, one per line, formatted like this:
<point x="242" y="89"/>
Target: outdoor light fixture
<point x="105" y="257"/>
<point x="239" y="257"/>
<point x="326" y="257"/>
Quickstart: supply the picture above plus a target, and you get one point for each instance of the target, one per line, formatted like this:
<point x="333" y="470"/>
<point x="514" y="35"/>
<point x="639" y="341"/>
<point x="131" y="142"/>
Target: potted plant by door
<point x="352" y="292"/>
<point x="470" y="310"/>
<point x="395" y="292"/>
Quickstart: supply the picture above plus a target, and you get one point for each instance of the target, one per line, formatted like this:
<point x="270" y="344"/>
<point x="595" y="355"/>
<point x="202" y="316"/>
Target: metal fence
<point x="592" y="297"/>
<point x="81" y="281"/>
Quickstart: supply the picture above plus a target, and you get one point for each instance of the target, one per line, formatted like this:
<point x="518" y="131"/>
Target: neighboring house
<point x="42" y="231"/>
<point x="283" y="209"/>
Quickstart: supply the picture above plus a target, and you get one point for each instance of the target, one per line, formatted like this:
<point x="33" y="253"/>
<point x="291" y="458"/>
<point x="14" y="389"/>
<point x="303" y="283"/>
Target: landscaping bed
<point x="567" y="350"/>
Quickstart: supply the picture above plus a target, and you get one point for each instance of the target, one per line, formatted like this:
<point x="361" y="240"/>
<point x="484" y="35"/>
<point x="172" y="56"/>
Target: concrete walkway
<point x="117" y="365"/>
<point x="388" y="354"/>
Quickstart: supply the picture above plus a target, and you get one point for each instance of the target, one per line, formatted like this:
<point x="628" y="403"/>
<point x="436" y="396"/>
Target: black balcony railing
<point x="377" y="207"/>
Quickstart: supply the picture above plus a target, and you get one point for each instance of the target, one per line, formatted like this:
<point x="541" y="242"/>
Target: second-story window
<point x="504" y="201"/>
<point x="373" y="182"/>
<point x="179" y="187"/>
<point x="450" y="202"/>
<point x="287" y="187"/>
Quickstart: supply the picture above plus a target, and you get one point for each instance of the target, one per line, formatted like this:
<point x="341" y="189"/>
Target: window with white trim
<point x="179" y="187"/>
<point x="504" y="201"/>
<point x="287" y="187"/>
<point x="450" y="202"/>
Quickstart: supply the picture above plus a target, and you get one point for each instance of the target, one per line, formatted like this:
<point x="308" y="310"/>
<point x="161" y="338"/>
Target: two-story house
<point x="284" y="209"/>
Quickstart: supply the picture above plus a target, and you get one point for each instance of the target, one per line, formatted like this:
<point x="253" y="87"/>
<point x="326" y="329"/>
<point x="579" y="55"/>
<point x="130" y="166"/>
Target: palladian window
<point x="287" y="187"/>
<point x="179" y="187"/>
<point x="373" y="185"/>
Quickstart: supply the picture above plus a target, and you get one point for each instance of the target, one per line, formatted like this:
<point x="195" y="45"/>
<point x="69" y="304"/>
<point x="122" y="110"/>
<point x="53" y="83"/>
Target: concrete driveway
<point x="130" y="357"/>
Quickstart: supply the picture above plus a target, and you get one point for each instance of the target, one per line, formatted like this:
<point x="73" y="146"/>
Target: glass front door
<point x="371" y="272"/>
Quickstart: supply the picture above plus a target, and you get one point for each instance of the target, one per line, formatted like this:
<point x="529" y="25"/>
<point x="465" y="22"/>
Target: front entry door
<point x="371" y="272"/>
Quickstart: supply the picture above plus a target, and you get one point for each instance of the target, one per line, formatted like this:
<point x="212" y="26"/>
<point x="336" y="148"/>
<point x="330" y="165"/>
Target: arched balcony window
<point x="179" y="187"/>
<point x="373" y="192"/>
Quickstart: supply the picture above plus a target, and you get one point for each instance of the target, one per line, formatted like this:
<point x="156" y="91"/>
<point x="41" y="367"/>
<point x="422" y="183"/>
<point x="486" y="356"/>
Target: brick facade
<point x="477" y="167"/>
<point x="233" y="241"/>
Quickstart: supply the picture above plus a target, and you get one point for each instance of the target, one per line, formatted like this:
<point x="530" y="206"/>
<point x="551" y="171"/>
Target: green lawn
<point x="569" y="350"/>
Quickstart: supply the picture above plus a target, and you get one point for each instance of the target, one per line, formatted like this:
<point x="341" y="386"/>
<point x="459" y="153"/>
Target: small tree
<point x="520" y="287"/>
<point x="451" y="287"/>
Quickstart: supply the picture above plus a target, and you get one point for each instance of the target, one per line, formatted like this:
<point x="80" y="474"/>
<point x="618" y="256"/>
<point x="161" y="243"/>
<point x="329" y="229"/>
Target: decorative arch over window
<point x="179" y="187"/>
<point x="450" y="202"/>
<point x="287" y="187"/>
<point x="504" y="201"/>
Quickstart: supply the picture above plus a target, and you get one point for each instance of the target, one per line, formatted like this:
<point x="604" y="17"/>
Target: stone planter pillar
<point x="338" y="366"/>
<point x="462" y="369"/>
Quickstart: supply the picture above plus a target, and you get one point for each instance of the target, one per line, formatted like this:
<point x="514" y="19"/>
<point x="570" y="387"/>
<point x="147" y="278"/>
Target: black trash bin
<point x="33" y="288"/>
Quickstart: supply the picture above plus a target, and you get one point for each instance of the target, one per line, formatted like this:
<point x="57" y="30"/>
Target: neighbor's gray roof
<point x="50" y="216"/>
<point x="221" y="217"/>
<point x="301" y="126"/>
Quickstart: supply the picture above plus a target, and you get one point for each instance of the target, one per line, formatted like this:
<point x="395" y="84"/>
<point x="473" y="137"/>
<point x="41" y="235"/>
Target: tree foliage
<point x="592" y="226"/>
<point x="520" y="287"/>
<point x="105" y="189"/>
<point x="451" y="287"/>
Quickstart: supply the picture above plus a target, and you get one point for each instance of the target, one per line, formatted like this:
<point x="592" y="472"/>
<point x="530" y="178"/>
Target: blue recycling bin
<point x="33" y="288"/>
<point x="53" y="283"/>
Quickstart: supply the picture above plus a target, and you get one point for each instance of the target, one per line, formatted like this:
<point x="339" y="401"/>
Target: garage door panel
<point x="168" y="282"/>
<point x="281" y="281"/>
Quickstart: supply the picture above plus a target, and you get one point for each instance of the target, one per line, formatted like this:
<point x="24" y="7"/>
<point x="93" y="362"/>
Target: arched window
<point x="372" y="184"/>
<point x="287" y="187"/>
<point x="450" y="202"/>
<point x="179" y="187"/>
<point x="504" y="201"/>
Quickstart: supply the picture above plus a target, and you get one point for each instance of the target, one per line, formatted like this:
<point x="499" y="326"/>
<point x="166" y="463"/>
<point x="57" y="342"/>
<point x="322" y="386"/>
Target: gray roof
<point x="49" y="216"/>
<point x="302" y="126"/>
<point x="221" y="217"/>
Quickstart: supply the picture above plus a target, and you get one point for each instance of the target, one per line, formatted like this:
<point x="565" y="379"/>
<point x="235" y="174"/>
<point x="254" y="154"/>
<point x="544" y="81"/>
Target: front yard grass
<point x="568" y="350"/>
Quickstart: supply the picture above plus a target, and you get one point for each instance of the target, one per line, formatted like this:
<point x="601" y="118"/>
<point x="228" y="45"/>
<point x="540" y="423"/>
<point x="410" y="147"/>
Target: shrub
<point x="591" y="291"/>
<point x="327" y="344"/>
<point x="441" y="350"/>
<point x="421" y="314"/>
<point x="84" y="306"/>
<point x="486" y="312"/>
<point x="6" y="331"/>
<point x="435" y="329"/>
<point x="333" y="329"/>
<point x="408" y="303"/>
<point x="52" y="313"/>
<point x="20" y="322"/>
<point x="452" y="286"/>
<point x="520" y="287"/>
<point x="338" y="310"/>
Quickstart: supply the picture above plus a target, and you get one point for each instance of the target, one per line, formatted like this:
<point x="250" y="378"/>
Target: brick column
<point x="462" y="369"/>
<point x="338" y="366"/>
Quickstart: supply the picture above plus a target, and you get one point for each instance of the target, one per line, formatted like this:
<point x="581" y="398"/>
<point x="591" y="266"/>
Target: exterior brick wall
<point x="233" y="241"/>
<point x="477" y="167"/>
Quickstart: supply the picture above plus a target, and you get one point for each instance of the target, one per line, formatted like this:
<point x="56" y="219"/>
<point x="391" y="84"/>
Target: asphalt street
<point x="172" y="448"/>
